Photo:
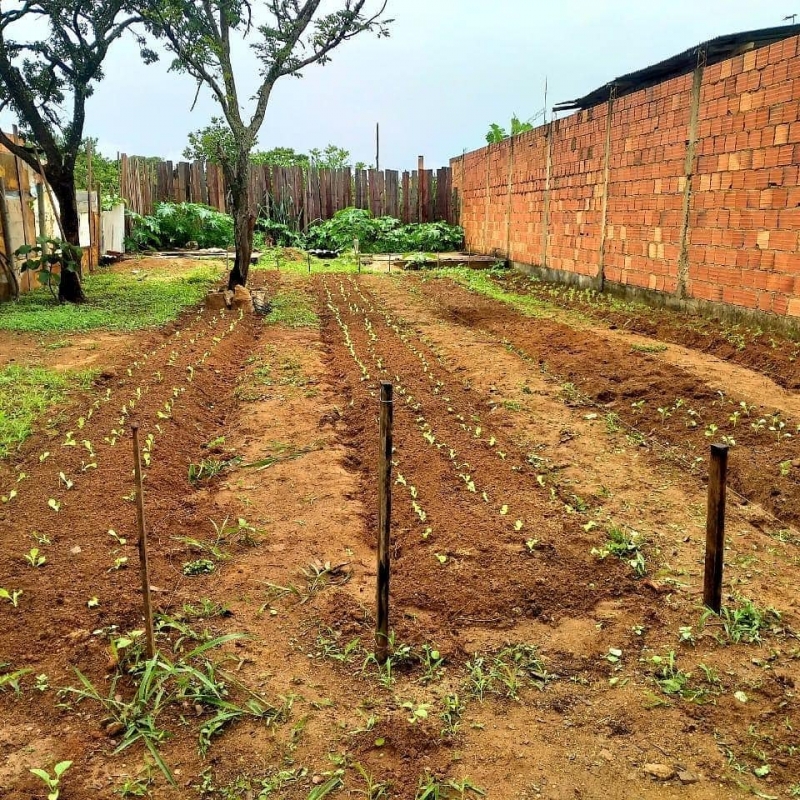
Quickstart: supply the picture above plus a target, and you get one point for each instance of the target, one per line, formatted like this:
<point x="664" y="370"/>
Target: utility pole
<point x="377" y="146"/>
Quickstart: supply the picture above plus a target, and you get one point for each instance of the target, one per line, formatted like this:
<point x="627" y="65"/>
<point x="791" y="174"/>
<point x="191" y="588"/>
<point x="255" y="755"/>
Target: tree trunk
<point x="244" y="221"/>
<point x="69" y="287"/>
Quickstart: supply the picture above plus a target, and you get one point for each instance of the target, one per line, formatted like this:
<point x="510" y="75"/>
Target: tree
<point x="41" y="76"/>
<point x="292" y="36"/>
<point x="105" y="171"/>
<point x="332" y="157"/>
<point x="498" y="134"/>
<point x="215" y="142"/>
<point x="280" y="157"/>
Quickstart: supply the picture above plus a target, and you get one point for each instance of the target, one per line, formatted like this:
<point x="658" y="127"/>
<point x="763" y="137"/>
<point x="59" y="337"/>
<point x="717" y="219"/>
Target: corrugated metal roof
<point x="715" y="50"/>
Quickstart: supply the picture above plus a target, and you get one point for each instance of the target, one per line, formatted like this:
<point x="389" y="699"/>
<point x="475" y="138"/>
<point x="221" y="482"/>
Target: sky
<point x="449" y="69"/>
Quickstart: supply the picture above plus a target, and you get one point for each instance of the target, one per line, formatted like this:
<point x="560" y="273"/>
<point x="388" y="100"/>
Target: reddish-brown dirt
<point x="663" y="402"/>
<point x="505" y="482"/>
<point x="769" y="352"/>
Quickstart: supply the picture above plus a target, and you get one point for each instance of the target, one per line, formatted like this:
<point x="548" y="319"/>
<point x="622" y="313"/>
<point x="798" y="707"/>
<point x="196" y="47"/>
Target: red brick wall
<point x="740" y="238"/>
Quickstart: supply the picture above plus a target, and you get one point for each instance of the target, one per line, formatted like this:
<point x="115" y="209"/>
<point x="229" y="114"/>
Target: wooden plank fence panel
<point x="302" y="195"/>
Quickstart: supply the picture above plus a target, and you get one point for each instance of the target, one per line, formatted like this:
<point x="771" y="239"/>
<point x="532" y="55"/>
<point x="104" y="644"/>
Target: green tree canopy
<point x="46" y="80"/>
<point x="286" y="36"/>
<point x="215" y="143"/>
<point x="498" y="134"/>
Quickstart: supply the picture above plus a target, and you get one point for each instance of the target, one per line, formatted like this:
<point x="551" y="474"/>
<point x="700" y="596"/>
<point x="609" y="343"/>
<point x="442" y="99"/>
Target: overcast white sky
<point x="449" y="69"/>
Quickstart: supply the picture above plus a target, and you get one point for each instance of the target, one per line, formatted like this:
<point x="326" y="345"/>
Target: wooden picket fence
<point x="295" y="195"/>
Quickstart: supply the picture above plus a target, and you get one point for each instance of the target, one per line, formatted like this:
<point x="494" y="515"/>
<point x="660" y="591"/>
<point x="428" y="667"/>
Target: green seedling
<point x="116" y="537"/>
<point x="417" y="711"/>
<point x="35" y="558"/>
<point x="54" y="504"/>
<point x="12" y="596"/>
<point x="53" y="782"/>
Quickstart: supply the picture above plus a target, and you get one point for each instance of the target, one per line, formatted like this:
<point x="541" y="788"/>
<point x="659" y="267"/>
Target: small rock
<point x="75" y="550"/>
<point x="317" y="780"/>
<point x="684" y="776"/>
<point x="661" y="772"/>
<point x="242" y="298"/>
<point x="606" y="755"/>
<point x="114" y="729"/>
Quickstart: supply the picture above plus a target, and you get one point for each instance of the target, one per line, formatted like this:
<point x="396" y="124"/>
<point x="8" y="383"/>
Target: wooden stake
<point x="308" y="256"/>
<point x="21" y="198"/>
<point x="421" y="183"/>
<point x="384" y="523"/>
<point x="90" y="258"/>
<point x="715" y="527"/>
<point x="143" y="562"/>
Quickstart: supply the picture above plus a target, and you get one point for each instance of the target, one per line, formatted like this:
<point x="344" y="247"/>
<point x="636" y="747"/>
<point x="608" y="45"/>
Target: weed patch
<point x="747" y="622"/>
<point x="625" y="545"/>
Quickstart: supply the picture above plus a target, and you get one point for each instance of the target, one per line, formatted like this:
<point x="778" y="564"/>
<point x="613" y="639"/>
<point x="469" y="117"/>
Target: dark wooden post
<point x="90" y="259"/>
<point x="144" y="566"/>
<point x="384" y="523"/>
<point x="715" y="527"/>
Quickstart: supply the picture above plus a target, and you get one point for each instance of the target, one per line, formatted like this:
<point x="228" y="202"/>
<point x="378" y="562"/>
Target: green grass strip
<point x="115" y="301"/>
<point x="293" y="309"/>
<point x="25" y="394"/>
<point x="481" y="281"/>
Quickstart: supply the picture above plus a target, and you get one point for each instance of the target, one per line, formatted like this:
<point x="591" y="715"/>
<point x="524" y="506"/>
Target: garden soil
<point x="519" y="443"/>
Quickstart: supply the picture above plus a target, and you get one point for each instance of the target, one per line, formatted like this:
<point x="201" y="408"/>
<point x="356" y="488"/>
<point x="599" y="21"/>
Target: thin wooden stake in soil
<point x="384" y="523"/>
<point x="715" y="527"/>
<point x="143" y="562"/>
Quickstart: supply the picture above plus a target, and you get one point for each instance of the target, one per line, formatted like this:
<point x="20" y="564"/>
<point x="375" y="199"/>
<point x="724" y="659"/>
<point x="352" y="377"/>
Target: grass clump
<point x="141" y="693"/>
<point x="116" y="301"/>
<point x="747" y="622"/>
<point x="292" y="309"/>
<point x="27" y="392"/>
<point x="506" y="672"/>
<point x="625" y="545"/>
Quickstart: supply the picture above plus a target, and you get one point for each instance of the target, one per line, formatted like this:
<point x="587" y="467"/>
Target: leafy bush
<point x="279" y="233"/>
<point x="177" y="224"/>
<point x="382" y="234"/>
